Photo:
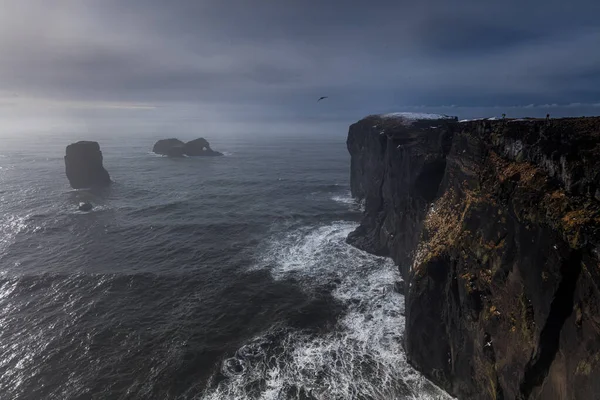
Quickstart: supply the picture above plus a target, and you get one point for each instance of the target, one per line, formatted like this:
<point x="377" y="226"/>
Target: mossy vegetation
<point x="586" y="366"/>
<point x="445" y="224"/>
<point x="575" y="217"/>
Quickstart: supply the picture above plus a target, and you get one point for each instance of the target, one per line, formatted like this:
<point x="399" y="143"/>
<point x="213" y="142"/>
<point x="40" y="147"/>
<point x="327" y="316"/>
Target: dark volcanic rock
<point x="177" y="148"/>
<point x="399" y="287"/>
<point x="83" y="166"/>
<point x="169" y="147"/>
<point x="496" y="228"/>
<point x="85" y="207"/>
<point x="396" y="168"/>
<point x="200" y="147"/>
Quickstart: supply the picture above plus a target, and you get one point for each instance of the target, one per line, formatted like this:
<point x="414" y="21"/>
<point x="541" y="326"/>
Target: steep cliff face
<point x="397" y="165"/>
<point x="496" y="227"/>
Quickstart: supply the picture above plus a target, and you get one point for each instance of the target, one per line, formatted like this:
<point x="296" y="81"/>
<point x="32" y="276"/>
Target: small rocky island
<point x="495" y="226"/>
<point x="83" y="165"/>
<point x="176" y="148"/>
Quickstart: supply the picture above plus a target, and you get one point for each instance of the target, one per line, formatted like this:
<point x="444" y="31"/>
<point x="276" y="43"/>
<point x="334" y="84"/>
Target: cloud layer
<point x="272" y="59"/>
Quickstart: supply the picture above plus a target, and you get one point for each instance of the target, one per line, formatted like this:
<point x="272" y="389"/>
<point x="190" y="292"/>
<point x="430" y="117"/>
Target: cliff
<point x="495" y="226"/>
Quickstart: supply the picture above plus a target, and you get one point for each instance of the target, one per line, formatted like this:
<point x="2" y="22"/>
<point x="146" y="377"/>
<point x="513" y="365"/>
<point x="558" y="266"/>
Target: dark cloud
<point x="276" y="57"/>
<point x="455" y="38"/>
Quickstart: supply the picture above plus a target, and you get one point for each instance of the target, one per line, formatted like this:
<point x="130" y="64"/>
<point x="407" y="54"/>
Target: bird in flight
<point x="321" y="98"/>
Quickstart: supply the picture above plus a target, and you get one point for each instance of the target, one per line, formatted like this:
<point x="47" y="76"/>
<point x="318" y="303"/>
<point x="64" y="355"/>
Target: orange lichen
<point x="442" y="227"/>
<point x="523" y="172"/>
<point x="577" y="218"/>
<point x="569" y="214"/>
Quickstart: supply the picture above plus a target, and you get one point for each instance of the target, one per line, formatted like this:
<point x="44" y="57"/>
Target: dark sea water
<point x="194" y="278"/>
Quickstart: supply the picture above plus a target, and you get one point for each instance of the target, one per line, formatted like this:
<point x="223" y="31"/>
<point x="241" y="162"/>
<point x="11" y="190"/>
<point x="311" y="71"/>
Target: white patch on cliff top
<point x="415" y="116"/>
<point x="479" y="119"/>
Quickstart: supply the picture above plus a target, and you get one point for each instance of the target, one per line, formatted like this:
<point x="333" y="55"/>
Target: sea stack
<point x="200" y="147"/>
<point x="176" y="148"/>
<point x="495" y="227"/>
<point x="83" y="165"/>
<point x="169" y="147"/>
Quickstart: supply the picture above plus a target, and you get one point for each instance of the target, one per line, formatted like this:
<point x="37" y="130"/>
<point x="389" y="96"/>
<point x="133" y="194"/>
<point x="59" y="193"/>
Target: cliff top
<point x="410" y="116"/>
<point x="407" y="119"/>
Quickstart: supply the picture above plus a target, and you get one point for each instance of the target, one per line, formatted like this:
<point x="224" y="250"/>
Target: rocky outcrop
<point x="83" y="166"/>
<point x="200" y="147"/>
<point x="85" y="206"/>
<point x="169" y="147"/>
<point x="495" y="226"/>
<point x="177" y="148"/>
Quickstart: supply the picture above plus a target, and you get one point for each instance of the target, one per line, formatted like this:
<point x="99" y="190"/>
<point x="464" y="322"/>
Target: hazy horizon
<point x="230" y="66"/>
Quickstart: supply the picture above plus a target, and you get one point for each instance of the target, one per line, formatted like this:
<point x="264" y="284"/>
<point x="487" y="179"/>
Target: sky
<point x="240" y="63"/>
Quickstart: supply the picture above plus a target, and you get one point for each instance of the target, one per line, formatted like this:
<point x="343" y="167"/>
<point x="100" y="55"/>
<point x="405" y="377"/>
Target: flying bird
<point x="322" y="98"/>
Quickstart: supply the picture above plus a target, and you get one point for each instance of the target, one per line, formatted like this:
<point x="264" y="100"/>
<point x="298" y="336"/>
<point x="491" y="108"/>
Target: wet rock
<point x="496" y="228"/>
<point x="169" y="147"/>
<point x="399" y="287"/>
<point x="85" y="207"/>
<point x="83" y="165"/>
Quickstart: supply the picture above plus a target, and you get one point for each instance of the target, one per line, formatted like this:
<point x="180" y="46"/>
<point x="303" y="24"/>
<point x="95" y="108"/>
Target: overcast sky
<point x="269" y="60"/>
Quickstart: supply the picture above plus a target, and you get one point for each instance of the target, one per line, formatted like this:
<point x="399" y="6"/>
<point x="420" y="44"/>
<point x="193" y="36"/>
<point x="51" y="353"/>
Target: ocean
<point x="194" y="278"/>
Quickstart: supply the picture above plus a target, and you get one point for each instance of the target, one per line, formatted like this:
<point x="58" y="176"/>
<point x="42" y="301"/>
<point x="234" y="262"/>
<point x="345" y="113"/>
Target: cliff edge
<point x="495" y="226"/>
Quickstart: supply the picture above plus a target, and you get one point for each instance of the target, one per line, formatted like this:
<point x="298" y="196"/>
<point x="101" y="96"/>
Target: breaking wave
<point x="346" y="198"/>
<point x="361" y="358"/>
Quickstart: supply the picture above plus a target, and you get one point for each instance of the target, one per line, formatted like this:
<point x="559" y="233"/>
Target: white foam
<point x="306" y="249"/>
<point x="7" y="288"/>
<point x="346" y="198"/>
<point x="362" y="357"/>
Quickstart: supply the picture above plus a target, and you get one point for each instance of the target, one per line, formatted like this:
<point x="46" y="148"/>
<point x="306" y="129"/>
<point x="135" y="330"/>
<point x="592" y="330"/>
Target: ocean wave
<point x="361" y="358"/>
<point x="10" y="227"/>
<point x="346" y="198"/>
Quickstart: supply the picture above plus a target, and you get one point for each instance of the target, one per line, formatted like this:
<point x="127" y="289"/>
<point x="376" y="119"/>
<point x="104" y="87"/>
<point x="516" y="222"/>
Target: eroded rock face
<point x="169" y="147"/>
<point x="396" y="168"/>
<point x="83" y="166"/>
<point x="200" y="147"/>
<point x="496" y="228"/>
<point x="177" y="148"/>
